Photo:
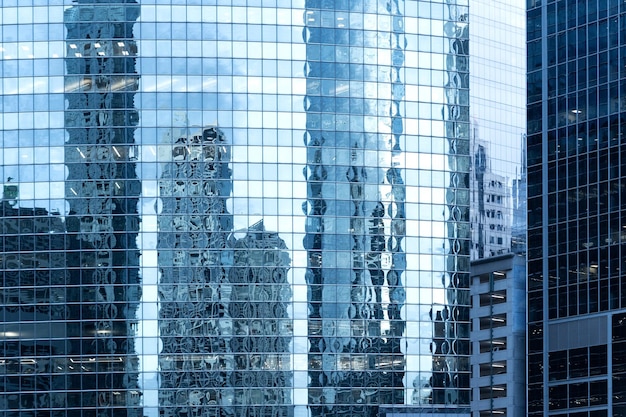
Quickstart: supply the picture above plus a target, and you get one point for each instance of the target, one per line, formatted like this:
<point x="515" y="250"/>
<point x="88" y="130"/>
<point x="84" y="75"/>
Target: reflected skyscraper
<point x="262" y="328"/>
<point x="195" y="255"/>
<point x="35" y="345"/>
<point x="354" y="187"/>
<point x="223" y="319"/>
<point x="356" y="206"/>
<point x="491" y="201"/>
<point x="102" y="190"/>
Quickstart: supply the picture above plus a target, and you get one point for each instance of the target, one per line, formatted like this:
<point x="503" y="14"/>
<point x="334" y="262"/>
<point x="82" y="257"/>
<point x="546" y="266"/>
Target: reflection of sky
<point x="40" y="172"/>
<point x="498" y="81"/>
<point x="33" y="103"/>
<point x="498" y="101"/>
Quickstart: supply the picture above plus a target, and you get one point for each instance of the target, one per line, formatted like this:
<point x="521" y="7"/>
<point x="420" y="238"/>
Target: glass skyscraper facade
<point x="576" y="205"/>
<point x="252" y="208"/>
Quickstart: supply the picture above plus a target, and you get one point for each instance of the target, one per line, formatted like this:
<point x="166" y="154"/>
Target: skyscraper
<point x="297" y="178"/>
<point x="576" y="286"/>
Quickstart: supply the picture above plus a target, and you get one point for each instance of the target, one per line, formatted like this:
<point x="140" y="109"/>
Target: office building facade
<point x="499" y="336"/>
<point x="264" y="194"/>
<point x="576" y="302"/>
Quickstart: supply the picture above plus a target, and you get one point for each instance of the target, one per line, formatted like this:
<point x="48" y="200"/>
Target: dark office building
<point x="576" y="208"/>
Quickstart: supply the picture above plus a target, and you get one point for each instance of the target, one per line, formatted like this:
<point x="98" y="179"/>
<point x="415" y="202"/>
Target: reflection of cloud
<point x="31" y="85"/>
<point x="182" y="84"/>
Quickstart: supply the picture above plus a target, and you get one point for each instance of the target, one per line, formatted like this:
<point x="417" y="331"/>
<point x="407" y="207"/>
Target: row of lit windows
<point x="493" y="391"/>
<point x="494" y="412"/>
<point x="493" y="345"/>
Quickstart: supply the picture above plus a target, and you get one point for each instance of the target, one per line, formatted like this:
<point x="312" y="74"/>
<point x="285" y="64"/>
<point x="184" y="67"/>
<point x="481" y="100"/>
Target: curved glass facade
<point x="251" y="208"/>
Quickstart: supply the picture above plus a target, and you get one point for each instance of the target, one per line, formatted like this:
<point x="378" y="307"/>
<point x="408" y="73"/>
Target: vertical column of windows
<point x="102" y="190"/>
<point x="355" y="207"/>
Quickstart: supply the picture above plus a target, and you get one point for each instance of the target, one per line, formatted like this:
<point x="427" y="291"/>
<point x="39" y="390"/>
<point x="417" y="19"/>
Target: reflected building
<point x="451" y="346"/>
<point x="102" y="225"/>
<point x="491" y="204"/>
<point x="33" y="311"/>
<point x="576" y="209"/>
<point x="223" y="319"/>
<point x="357" y="222"/>
<point x="195" y="256"/>
<point x="262" y="328"/>
<point x="354" y="187"/>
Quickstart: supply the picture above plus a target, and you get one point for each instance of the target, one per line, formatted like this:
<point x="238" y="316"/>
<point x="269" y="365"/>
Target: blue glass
<point x="255" y="208"/>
